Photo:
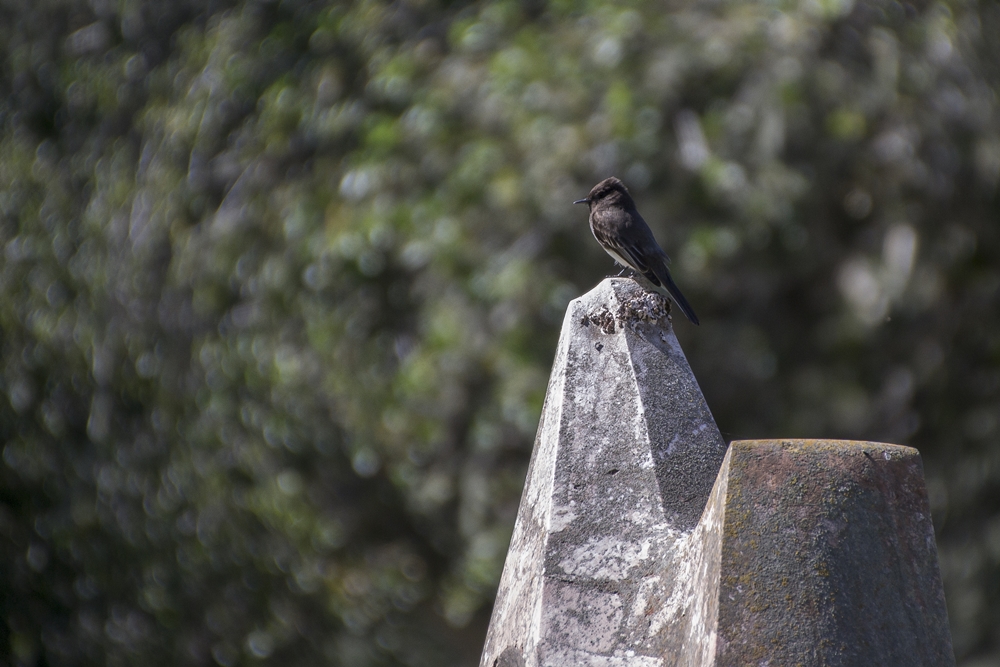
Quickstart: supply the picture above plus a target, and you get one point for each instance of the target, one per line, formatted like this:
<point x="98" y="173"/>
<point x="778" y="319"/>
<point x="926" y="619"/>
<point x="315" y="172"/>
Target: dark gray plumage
<point x="621" y="231"/>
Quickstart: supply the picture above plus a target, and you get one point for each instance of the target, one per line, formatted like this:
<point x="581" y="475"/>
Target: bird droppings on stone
<point x="643" y="307"/>
<point x="603" y="318"/>
<point x="633" y="307"/>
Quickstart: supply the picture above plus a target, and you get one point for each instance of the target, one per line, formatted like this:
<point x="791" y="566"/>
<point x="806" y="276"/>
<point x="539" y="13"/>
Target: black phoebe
<point x="625" y="236"/>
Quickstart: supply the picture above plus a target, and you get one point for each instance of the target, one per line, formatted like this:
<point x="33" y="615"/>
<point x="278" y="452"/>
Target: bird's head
<point x="609" y="192"/>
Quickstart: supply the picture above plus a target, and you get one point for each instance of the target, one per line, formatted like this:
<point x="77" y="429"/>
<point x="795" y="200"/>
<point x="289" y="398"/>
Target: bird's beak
<point x="582" y="201"/>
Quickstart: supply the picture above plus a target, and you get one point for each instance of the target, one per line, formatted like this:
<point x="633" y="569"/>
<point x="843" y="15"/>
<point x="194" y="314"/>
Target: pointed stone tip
<point x="617" y="303"/>
<point x="624" y="461"/>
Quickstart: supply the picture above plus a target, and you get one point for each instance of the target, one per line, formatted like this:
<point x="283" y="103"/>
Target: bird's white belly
<point x="618" y="258"/>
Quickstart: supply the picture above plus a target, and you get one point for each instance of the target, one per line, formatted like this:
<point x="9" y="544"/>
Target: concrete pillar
<point x="641" y="542"/>
<point x="827" y="557"/>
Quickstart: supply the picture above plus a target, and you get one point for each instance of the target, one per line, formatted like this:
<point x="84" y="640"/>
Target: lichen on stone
<point x="603" y="318"/>
<point x="634" y="307"/>
<point x="643" y="307"/>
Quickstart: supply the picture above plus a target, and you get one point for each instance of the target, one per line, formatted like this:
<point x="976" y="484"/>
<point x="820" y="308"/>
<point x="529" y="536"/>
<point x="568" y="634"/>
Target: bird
<point x="621" y="231"/>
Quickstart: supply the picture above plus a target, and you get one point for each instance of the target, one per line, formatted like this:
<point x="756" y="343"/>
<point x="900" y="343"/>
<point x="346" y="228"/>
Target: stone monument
<point x="641" y="541"/>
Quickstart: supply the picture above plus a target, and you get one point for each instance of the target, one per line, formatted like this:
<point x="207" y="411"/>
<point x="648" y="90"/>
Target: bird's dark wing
<point x="677" y="296"/>
<point x="628" y="235"/>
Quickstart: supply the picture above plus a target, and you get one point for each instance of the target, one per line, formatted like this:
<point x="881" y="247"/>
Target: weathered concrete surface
<point x="624" y="461"/>
<point x="828" y="558"/>
<point x="641" y="542"/>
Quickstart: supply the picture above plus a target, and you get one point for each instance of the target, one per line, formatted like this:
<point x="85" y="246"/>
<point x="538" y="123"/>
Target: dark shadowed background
<point x="281" y="281"/>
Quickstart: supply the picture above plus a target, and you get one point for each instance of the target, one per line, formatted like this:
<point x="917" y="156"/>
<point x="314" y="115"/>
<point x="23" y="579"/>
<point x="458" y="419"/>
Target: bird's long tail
<point x="675" y="293"/>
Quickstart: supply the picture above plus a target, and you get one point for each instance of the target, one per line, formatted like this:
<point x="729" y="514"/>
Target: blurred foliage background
<point x="282" y="281"/>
